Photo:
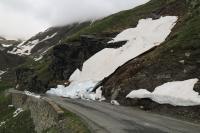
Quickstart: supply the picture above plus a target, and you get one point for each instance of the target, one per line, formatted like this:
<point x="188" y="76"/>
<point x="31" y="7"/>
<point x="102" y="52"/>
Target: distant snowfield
<point x="177" y="93"/>
<point x="25" y="47"/>
<point x="148" y="34"/>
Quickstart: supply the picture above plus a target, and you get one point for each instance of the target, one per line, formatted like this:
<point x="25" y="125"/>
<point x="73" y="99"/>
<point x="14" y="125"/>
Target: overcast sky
<point x="24" y="18"/>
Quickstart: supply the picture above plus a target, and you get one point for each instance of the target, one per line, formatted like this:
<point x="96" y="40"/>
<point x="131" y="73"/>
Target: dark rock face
<point x="9" y="60"/>
<point x="66" y="58"/>
<point x="28" y="80"/>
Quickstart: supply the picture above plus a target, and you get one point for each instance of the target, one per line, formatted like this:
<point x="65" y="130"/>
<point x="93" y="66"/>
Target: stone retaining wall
<point x="44" y="112"/>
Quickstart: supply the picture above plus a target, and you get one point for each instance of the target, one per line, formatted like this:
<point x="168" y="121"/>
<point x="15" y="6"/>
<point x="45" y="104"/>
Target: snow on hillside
<point x="148" y="34"/>
<point x="25" y="47"/>
<point x="1" y="73"/>
<point x="42" y="54"/>
<point x="177" y="93"/>
<point x="6" y="45"/>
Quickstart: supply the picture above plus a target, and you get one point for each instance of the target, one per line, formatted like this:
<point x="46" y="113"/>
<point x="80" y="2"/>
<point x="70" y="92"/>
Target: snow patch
<point x="49" y="37"/>
<point x="42" y="54"/>
<point x="25" y="47"/>
<point x="2" y="72"/>
<point x="17" y="112"/>
<point x="177" y="93"/>
<point x="2" y="123"/>
<point x="82" y="90"/>
<point x="114" y="102"/>
<point x="74" y="90"/>
<point x="28" y="93"/>
<point x="10" y="106"/>
<point x="6" y="45"/>
<point x="148" y="34"/>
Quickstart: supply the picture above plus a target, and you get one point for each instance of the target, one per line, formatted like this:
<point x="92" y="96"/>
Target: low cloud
<point x="24" y="18"/>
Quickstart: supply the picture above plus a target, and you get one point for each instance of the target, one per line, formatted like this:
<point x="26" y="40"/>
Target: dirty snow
<point x="148" y="34"/>
<point x="28" y="93"/>
<point x="17" y="112"/>
<point x="177" y="93"/>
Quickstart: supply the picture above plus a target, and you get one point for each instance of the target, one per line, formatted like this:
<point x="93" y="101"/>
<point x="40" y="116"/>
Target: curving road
<point x="105" y="118"/>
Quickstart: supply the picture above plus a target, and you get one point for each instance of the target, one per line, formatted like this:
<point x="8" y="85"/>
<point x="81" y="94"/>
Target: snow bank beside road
<point x="81" y="90"/>
<point x="177" y="93"/>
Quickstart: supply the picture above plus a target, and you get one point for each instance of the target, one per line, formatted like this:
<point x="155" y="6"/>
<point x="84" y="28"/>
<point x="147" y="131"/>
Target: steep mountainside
<point x="58" y="66"/>
<point x="7" y="60"/>
<point x="175" y="59"/>
<point x="37" y="46"/>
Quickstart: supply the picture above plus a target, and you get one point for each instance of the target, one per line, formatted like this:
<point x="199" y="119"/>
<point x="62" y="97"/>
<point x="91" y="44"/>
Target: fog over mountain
<point x="24" y="18"/>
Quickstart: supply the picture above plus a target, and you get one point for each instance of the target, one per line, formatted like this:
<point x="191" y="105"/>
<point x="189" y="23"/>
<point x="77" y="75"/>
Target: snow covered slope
<point x="177" y="93"/>
<point x="38" y="45"/>
<point x="148" y="34"/>
<point x="25" y="48"/>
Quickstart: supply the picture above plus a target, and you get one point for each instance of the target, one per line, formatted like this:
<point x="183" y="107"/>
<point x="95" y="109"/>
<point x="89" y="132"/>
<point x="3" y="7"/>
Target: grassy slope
<point x="71" y="124"/>
<point x="20" y="124"/>
<point x="120" y="21"/>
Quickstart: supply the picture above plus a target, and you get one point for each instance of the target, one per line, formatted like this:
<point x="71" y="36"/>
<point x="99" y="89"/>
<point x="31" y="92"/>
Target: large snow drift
<point x="177" y="93"/>
<point x="148" y="34"/>
<point x="81" y="90"/>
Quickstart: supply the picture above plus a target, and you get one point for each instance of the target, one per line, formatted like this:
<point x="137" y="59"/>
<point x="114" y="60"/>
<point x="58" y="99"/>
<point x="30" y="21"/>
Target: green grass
<point x="75" y="124"/>
<point x="71" y="124"/>
<point x="4" y="85"/>
<point x="120" y="21"/>
<point x="20" y="124"/>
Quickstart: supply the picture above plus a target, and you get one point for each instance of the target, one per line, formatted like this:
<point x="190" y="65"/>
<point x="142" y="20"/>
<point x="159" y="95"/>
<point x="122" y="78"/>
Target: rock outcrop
<point x="65" y="59"/>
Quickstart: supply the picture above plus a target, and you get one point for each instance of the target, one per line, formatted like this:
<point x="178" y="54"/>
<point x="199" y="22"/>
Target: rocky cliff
<point x="64" y="60"/>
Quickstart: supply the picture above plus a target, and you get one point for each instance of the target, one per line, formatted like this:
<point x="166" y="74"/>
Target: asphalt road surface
<point x="106" y="118"/>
